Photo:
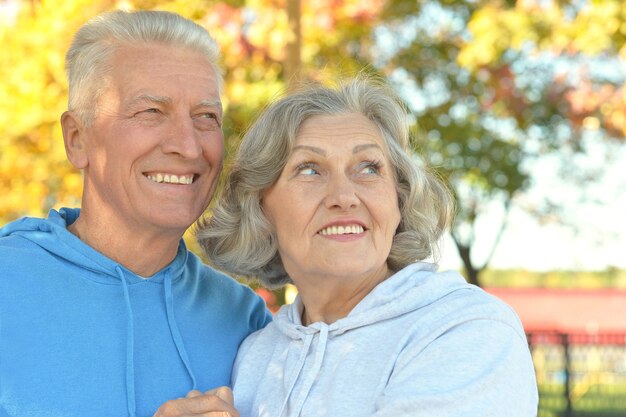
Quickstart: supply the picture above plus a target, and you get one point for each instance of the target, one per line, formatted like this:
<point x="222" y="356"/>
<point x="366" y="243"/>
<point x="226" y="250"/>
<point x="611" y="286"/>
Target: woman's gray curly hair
<point x="239" y="239"/>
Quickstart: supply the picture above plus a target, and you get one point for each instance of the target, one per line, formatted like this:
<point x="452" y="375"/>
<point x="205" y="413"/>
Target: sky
<point x="8" y="10"/>
<point x="587" y="231"/>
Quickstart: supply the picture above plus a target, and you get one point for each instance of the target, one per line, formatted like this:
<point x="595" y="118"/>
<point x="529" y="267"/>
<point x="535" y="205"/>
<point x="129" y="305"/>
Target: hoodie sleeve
<point x="476" y="368"/>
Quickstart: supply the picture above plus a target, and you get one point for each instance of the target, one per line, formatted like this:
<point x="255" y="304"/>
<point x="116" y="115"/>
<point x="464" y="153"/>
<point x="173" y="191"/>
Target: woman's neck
<point x="329" y="299"/>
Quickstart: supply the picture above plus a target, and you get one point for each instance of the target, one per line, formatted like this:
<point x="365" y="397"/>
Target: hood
<point x="405" y="291"/>
<point x="52" y="235"/>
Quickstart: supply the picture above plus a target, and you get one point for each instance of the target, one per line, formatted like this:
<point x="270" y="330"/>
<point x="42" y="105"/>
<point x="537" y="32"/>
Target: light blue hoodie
<point x="421" y="344"/>
<point x="81" y="335"/>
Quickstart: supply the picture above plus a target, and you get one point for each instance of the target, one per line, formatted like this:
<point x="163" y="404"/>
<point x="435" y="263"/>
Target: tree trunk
<point x="293" y="58"/>
<point x="473" y="273"/>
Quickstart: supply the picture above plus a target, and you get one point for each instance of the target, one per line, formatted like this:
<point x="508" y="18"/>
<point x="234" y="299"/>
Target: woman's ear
<point x="74" y="140"/>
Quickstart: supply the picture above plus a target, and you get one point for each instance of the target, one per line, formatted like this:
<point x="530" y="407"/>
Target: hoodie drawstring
<point x="130" y="340"/>
<point x="312" y="375"/>
<point x="130" y="348"/>
<point x="296" y="371"/>
<point x="178" y="340"/>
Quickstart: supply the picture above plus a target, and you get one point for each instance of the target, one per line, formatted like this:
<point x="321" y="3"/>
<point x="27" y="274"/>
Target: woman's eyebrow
<point x="310" y="148"/>
<point x="320" y="151"/>
<point x="361" y="148"/>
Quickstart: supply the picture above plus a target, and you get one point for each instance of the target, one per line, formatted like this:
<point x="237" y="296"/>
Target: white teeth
<point x="171" y="178"/>
<point x="342" y="230"/>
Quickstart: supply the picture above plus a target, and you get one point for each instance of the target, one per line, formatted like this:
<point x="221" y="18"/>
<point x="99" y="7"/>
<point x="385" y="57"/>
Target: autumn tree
<point x="34" y="173"/>
<point x="253" y="35"/>
<point x="481" y="78"/>
<point x="478" y="76"/>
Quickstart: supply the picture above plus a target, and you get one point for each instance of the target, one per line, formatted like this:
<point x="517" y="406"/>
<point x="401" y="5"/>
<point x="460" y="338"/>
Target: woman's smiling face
<point x="335" y="206"/>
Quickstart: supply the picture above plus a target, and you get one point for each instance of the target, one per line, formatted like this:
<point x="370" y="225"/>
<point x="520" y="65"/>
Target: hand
<point x="217" y="402"/>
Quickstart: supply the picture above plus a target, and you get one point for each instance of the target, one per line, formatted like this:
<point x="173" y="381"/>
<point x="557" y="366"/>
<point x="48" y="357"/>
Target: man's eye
<point x="207" y="121"/>
<point x="150" y="114"/>
<point x="209" y="115"/>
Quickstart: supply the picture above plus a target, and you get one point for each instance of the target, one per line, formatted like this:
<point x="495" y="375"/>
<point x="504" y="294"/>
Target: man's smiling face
<point x="155" y="149"/>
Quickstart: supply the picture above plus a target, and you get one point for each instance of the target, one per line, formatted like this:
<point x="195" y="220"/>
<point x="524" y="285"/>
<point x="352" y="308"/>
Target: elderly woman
<point x="325" y="193"/>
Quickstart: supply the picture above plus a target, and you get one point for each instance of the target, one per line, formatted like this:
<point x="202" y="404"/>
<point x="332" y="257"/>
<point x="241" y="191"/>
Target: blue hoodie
<point x="81" y="335"/>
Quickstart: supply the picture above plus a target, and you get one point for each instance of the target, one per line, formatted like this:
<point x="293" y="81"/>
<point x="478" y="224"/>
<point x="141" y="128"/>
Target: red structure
<point x="567" y="311"/>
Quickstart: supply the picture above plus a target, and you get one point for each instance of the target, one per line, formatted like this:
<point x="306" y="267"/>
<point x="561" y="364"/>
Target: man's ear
<point x="74" y="140"/>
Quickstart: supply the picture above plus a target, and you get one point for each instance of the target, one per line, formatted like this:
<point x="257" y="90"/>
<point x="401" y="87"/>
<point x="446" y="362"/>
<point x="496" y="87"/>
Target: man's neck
<point x="142" y="253"/>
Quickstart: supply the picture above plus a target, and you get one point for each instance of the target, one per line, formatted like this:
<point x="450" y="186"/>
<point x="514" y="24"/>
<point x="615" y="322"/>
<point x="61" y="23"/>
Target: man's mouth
<point x="170" y="178"/>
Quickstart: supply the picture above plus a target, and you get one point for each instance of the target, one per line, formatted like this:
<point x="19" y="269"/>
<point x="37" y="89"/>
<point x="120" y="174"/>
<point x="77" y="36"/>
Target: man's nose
<point x="182" y="138"/>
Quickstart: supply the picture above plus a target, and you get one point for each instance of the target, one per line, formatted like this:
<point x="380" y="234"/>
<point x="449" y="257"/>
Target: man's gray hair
<point x="88" y="60"/>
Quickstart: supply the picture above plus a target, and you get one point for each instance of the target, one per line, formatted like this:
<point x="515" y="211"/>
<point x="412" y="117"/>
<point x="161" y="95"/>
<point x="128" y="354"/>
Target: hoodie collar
<point x="402" y="292"/>
<point x="52" y="235"/>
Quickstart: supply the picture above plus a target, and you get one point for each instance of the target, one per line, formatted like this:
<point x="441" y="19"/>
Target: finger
<point x="223" y="393"/>
<point x="201" y="405"/>
<point x="193" y="393"/>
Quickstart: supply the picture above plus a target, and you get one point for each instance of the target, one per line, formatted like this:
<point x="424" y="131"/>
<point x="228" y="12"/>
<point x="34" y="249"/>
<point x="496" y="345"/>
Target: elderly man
<point x="103" y="310"/>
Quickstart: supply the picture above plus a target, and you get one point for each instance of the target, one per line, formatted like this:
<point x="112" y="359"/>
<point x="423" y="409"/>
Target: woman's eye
<point x="370" y="167"/>
<point x="306" y="169"/>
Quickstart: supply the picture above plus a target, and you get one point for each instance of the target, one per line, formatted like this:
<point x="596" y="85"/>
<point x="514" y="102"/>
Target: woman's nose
<point x="341" y="193"/>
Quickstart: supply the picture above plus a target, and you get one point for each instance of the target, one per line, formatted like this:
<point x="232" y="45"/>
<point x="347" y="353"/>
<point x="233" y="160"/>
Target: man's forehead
<point x="153" y="71"/>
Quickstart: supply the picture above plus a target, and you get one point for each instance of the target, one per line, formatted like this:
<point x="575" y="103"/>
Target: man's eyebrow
<point x="210" y="103"/>
<point x="151" y="99"/>
<point x="310" y="148"/>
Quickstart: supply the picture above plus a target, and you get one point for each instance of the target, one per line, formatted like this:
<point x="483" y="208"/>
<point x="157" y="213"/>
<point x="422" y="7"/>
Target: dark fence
<point x="580" y="374"/>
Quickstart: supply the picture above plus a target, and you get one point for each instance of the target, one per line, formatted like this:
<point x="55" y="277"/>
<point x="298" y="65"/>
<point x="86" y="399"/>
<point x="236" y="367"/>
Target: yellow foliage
<point x="495" y="29"/>
<point x="489" y="39"/>
<point x="34" y="173"/>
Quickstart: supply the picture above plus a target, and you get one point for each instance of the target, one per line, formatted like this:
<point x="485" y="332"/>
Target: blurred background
<point x="519" y="105"/>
